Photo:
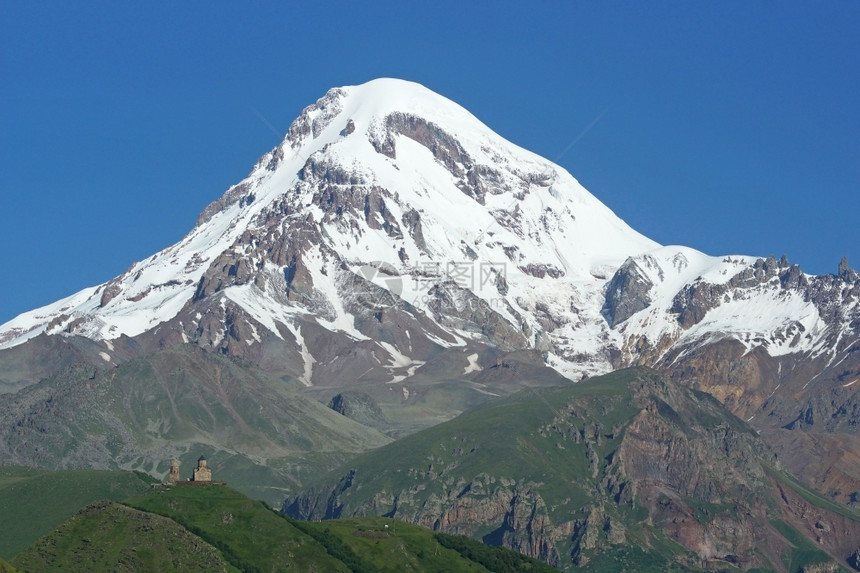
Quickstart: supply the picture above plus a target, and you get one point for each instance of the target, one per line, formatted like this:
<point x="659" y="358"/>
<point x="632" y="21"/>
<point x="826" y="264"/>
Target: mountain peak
<point x="386" y="197"/>
<point x="377" y="98"/>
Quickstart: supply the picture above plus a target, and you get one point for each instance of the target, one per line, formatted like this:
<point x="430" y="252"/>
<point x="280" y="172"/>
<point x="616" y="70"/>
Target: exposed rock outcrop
<point x="627" y="293"/>
<point x="358" y="406"/>
<point x="638" y="458"/>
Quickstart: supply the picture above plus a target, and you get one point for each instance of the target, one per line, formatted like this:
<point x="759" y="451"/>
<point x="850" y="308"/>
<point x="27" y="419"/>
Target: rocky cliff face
<point x="628" y="292"/>
<point x="799" y="362"/>
<point x="583" y="472"/>
<point x="795" y="399"/>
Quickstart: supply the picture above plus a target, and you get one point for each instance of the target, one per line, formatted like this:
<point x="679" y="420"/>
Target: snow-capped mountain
<point x="386" y="181"/>
<point x="389" y="184"/>
<point x="392" y="239"/>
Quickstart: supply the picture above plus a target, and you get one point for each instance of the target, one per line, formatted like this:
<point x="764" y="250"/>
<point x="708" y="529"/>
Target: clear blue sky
<point x="730" y="127"/>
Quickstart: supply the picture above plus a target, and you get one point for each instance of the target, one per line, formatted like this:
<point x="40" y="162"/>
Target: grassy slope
<point x="500" y="438"/>
<point x="252" y="537"/>
<point x="33" y="502"/>
<point x="249" y="534"/>
<point x="108" y="536"/>
<point x="503" y="439"/>
<point x="382" y="545"/>
<point x="365" y="545"/>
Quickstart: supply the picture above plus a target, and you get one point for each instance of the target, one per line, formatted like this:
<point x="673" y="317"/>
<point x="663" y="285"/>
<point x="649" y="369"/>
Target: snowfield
<point x="501" y="224"/>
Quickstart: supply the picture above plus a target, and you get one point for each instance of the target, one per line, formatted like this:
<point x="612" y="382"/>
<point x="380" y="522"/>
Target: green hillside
<point x="214" y="528"/>
<point x="382" y="545"/>
<point x="108" y="536"/>
<point x="33" y="502"/>
<point x="249" y="534"/>
<point x="623" y="472"/>
<point x="627" y="470"/>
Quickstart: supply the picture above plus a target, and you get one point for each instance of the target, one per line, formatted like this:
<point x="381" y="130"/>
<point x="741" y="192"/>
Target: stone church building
<point x="200" y="475"/>
<point x="201" y="472"/>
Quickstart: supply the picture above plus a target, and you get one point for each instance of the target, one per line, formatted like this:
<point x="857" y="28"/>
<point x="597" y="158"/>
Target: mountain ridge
<point x="394" y="245"/>
<point x="507" y="191"/>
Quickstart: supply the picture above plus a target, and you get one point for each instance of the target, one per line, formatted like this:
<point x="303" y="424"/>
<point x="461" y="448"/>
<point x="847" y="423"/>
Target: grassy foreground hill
<point x="248" y="533"/>
<point x="33" y="502"/>
<point x="108" y="536"/>
<point x="216" y="528"/>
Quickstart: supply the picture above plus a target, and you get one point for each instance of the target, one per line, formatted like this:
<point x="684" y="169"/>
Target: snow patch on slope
<point x="473" y="365"/>
<point x="307" y="358"/>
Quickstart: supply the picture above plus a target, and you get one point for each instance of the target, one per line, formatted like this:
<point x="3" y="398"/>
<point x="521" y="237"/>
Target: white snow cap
<point x="479" y="197"/>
